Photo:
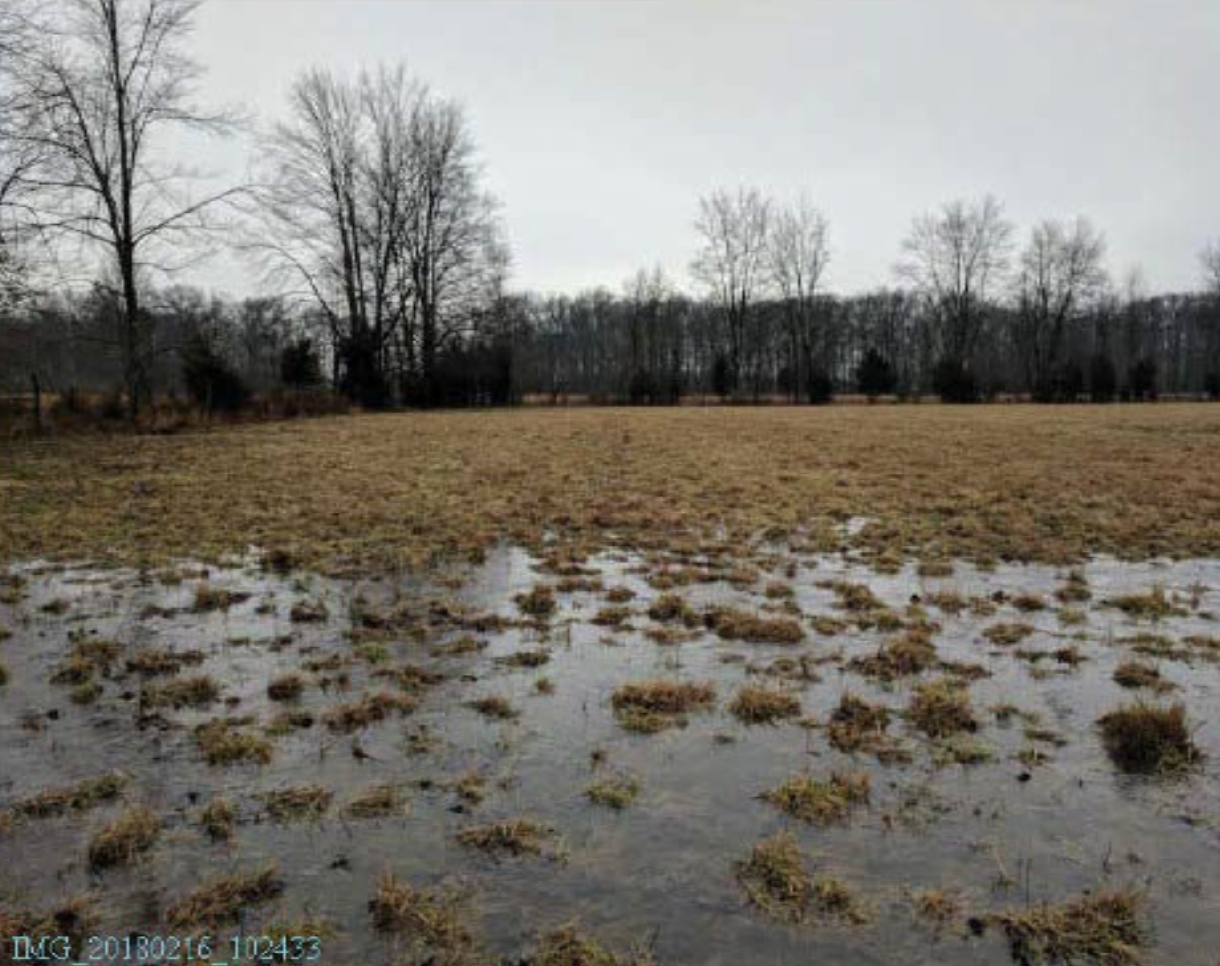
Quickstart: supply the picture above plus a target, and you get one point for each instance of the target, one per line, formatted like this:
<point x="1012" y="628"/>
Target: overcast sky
<point x="601" y="123"/>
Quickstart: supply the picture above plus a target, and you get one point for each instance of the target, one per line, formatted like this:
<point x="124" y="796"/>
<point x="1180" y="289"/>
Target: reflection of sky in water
<point x="663" y="866"/>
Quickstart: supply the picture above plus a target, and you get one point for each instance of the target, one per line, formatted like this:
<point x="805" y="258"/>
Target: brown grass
<point x="909" y="653"/>
<point x="656" y="704"/>
<point x="297" y="802"/>
<point x="458" y="486"/>
<point x="776" y="881"/>
<point x="223" y="742"/>
<point x="755" y="705"/>
<point x="125" y="839"/>
<point x="737" y="625"/>
<point x="1103" y="928"/>
<point x="1146" y="739"/>
<point x="369" y="710"/>
<point x="431" y="917"/>
<point x="566" y="946"/>
<point x="376" y="801"/>
<point x="512" y="837"/>
<point x="942" y="708"/>
<point x="821" y="802"/>
<point x="224" y="898"/>
<point x="218" y="819"/>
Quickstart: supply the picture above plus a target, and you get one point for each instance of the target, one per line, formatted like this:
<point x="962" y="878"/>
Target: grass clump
<point x="223" y="742"/>
<point x="528" y="658"/>
<point x="855" y="724"/>
<point x="494" y="706"/>
<point x="855" y="597"/>
<point x="538" y="603"/>
<point x="738" y="625"/>
<point x="942" y="708"/>
<point x="218" y="819"/>
<point x="776" y="881"/>
<point x="193" y="692"/>
<point x="1152" y="605"/>
<point x="430" y="917"/>
<point x="656" y="704"/>
<point x="1007" y="634"/>
<point x="565" y="946"/>
<point x="615" y="793"/>
<point x="1146" y="739"/>
<point x="80" y="797"/>
<point x="209" y="598"/>
<point x="820" y="802"/>
<point x="1138" y="674"/>
<point x="755" y="705"/>
<point x="369" y="710"/>
<point x="286" y="687"/>
<point x="224" y="898"/>
<point x="125" y="839"/>
<point x="909" y="653"/>
<point x="308" y="612"/>
<point x="1103" y="928"/>
<point x="377" y="801"/>
<point x="671" y="607"/>
<point x="515" y="837"/>
<point x="297" y="802"/>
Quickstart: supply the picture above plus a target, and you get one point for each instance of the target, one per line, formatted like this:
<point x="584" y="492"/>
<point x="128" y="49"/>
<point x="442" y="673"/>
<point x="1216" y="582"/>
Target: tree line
<point x="370" y="220"/>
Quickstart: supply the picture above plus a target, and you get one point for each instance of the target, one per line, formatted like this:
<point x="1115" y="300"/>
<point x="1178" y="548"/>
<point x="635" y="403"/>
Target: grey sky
<point x="601" y="123"/>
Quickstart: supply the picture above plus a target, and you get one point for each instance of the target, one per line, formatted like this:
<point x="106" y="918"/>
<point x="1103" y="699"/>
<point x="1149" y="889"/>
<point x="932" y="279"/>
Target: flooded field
<point x="772" y="757"/>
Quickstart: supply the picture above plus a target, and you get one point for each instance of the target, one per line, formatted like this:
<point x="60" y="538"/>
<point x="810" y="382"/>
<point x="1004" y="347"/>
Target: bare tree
<point x="732" y="263"/>
<point x="372" y="205"/>
<point x="798" y="250"/>
<point x="955" y="259"/>
<point x="1061" y="271"/>
<point x="92" y="88"/>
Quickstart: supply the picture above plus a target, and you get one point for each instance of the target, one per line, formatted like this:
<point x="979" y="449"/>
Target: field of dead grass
<point x="366" y="493"/>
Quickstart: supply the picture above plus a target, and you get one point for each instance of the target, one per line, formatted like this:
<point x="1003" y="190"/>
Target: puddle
<point x="1000" y="834"/>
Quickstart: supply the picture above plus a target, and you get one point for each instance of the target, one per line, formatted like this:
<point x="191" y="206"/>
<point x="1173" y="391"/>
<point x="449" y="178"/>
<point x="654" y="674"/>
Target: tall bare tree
<point x="1060" y="272"/>
<point x="956" y="258"/>
<point x="798" y="251"/>
<point x="732" y="262"/>
<point x="93" y="87"/>
<point x="372" y="204"/>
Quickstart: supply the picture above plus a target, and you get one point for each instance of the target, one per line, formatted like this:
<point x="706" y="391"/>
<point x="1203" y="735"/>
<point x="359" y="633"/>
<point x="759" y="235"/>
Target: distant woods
<point x="386" y="263"/>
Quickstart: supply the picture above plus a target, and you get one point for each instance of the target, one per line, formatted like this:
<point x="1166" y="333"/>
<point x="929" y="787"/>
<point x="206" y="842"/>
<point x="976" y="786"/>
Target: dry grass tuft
<point x="613" y="792"/>
<point x="821" y="802"/>
<point x="80" y="797"/>
<point x="430" y="917"/>
<point x="942" y="708"/>
<point x="494" y="706"/>
<point x="218" y="819"/>
<point x="856" y="725"/>
<point x="565" y="946"/>
<point x="1152" y="605"/>
<point x="1008" y="634"/>
<point x="656" y="704"/>
<point x="1137" y="674"/>
<point x="909" y="653"/>
<point x="672" y="607"/>
<point x="223" y="742"/>
<point x="224" y="898"/>
<point x="737" y="625"/>
<point x="369" y="710"/>
<point x="538" y="603"/>
<point x="1146" y="739"/>
<point x="376" y="801"/>
<point x="125" y="839"/>
<point x="776" y="881"/>
<point x="286" y="687"/>
<point x="194" y="692"/>
<point x="755" y="705"/>
<point x="297" y="802"/>
<point x="1103" y="928"/>
<point x="512" y="837"/>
